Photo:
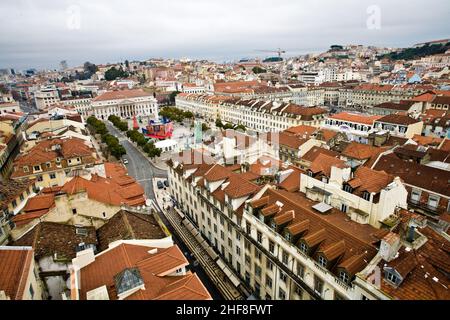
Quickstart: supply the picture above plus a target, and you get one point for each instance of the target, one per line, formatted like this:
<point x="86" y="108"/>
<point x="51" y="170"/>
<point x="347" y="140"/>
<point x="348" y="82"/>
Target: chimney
<point x="389" y="246"/>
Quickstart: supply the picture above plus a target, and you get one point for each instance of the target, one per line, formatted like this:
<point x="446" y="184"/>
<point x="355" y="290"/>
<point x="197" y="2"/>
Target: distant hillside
<point x="414" y="53"/>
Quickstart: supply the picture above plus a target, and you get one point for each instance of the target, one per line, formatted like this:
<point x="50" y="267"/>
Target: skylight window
<point x="127" y="280"/>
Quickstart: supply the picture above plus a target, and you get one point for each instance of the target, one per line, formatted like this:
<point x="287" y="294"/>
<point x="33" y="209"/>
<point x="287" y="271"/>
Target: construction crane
<point x="279" y="51"/>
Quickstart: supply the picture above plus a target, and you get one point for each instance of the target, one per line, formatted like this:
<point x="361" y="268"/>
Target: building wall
<point x="33" y="287"/>
<point x="88" y="212"/>
<point x="375" y="212"/>
<point x="252" y="260"/>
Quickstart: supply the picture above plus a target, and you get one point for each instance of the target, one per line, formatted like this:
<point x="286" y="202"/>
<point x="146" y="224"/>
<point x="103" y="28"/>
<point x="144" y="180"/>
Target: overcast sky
<point x="40" y="33"/>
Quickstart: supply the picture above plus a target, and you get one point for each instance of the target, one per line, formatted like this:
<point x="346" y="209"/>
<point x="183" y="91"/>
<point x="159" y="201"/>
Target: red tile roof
<point x="323" y="163"/>
<point x="355" y="118"/>
<point x="15" y="265"/>
<point x="153" y="268"/>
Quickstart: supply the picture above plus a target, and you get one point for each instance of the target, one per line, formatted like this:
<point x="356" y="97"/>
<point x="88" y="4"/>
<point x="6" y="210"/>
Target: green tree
<point x="219" y="123"/>
<point x="113" y="74"/>
<point x="205" y="127"/>
<point x="257" y="70"/>
<point x="188" y="115"/>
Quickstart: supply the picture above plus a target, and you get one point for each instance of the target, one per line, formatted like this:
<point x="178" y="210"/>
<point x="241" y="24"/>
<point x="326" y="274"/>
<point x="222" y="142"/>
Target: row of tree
<point x="147" y="146"/>
<point x="219" y="124"/>
<point x="414" y="53"/>
<point x="119" y="124"/>
<point x="113" y="144"/>
<point x="175" y="114"/>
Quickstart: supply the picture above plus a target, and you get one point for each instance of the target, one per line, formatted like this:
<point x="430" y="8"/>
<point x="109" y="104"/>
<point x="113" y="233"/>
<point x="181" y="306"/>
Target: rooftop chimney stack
<point x="389" y="246"/>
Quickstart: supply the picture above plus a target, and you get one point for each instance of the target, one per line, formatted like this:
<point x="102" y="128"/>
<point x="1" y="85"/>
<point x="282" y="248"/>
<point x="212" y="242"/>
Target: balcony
<point x="416" y="204"/>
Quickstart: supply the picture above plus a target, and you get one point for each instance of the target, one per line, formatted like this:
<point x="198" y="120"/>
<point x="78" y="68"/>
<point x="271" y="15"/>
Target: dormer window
<point x="37" y="168"/>
<point x="322" y="261"/>
<point x="25" y="169"/>
<point x="288" y="236"/>
<point x="303" y="247"/>
<point x="366" y="195"/>
<point x="348" y="188"/>
<point x="343" y="276"/>
<point x="273" y="225"/>
<point x="392" y="278"/>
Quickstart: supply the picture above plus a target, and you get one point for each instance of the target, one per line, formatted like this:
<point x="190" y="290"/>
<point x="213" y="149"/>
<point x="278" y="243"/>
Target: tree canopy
<point x="113" y="74"/>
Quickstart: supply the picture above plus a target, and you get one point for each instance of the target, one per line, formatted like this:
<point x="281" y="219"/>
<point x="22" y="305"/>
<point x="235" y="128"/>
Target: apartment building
<point x="357" y="127"/>
<point x="13" y="197"/>
<point x="51" y="162"/>
<point x="11" y="138"/>
<point x="279" y="243"/>
<point x="366" y="196"/>
<point x="399" y="125"/>
<point x="259" y="115"/>
<point x="81" y="105"/>
<point x="299" y="250"/>
<point x="124" y="104"/>
<point x="82" y="201"/>
<point x="428" y="187"/>
<point x="367" y="95"/>
<point x="46" y="96"/>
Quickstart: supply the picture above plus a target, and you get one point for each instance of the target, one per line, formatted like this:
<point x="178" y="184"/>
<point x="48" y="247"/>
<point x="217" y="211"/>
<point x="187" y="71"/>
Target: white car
<point x="125" y="161"/>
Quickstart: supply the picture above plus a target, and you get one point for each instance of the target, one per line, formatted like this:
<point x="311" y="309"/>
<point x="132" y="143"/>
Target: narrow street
<point x="141" y="169"/>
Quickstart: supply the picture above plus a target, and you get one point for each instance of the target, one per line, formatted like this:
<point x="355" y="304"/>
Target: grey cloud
<point x="35" y="33"/>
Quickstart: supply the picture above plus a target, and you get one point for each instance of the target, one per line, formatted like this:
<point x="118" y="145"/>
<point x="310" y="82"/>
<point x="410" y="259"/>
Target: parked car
<point x="160" y="185"/>
<point x="166" y="183"/>
<point x="125" y="161"/>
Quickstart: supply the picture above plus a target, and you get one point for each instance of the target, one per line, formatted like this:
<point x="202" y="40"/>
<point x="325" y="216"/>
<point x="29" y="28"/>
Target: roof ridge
<point x="24" y="274"/>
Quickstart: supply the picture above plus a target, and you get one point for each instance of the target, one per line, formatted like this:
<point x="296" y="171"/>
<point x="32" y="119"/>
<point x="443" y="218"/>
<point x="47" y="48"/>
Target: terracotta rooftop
<point x="398" y="119"/>
<point x="323" y="163"/>
<point x="15" y="265"/>
<point x="50" y="238"/>
<point x="415" y="174"/>
<point x="359" y="151"/>
<point x="315" y="151"/>
<point x="11" y="189"/>
<point x="324" y="230"/>
<point x="355" y="118"/>
<point x="302" y="130"/>
<point x="48" y="151"/>
<point x="366" y="179"/>
<point x="153" y="269"/>
<point x="424" y="270"/>
<point x="126" y="225"/>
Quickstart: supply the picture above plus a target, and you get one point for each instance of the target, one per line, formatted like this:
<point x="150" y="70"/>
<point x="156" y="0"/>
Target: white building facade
<point x="125" y="104"/>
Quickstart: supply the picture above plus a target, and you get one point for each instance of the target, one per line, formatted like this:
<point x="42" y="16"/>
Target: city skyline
<point x="40" y="34"/>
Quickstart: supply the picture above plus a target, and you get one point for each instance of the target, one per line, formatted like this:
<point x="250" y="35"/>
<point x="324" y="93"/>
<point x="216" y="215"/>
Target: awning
<point x="320" y="190"/>
<point x="322" y="207"/>
<point x="235" y="280"/>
